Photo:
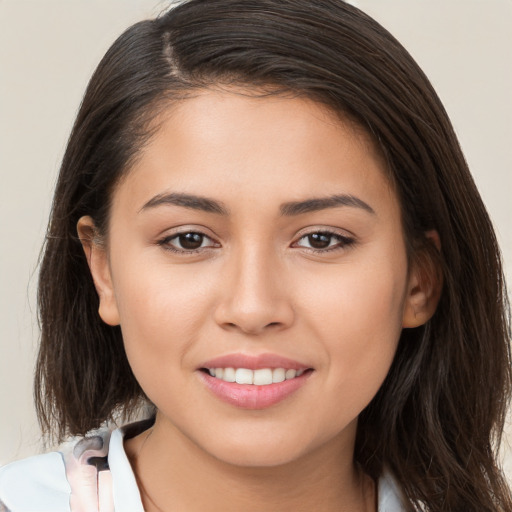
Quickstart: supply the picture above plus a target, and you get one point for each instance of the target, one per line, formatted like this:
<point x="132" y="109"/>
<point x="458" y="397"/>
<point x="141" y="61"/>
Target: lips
<point x="253" y="382"/>
<point x="254" y="362"/>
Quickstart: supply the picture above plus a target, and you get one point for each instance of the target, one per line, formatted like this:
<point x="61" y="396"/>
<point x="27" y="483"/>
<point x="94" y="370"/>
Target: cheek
<point x="162" y="308"/>
<point x="358" y="315"/>
<point x="359" y="298"/>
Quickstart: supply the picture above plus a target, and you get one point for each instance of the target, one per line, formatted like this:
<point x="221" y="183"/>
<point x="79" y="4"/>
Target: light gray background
<point x="48" y="50"/>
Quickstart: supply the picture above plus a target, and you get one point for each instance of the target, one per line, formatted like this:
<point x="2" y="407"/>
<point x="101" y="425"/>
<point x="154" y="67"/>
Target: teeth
<point x="261" y="377"/>
<point x="243" y="376"/>
<point x="290" y="374"/>
<point x="229" y="375"/>
<point x="278" y="374"/>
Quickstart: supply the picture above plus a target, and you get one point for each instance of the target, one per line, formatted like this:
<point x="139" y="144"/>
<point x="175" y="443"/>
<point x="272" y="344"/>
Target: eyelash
<point x="165" y="243"/>
<point x="344" y="242"/>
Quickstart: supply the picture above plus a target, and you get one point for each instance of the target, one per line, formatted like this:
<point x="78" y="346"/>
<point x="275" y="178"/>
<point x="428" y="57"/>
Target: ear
<point x="97" y="259"/>
<point x="425" y="283"/>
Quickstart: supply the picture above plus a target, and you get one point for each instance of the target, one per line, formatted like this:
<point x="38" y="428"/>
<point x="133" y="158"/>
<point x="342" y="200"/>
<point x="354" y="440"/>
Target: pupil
<point x="191" y="240"/>
<point x="319" y="240"/>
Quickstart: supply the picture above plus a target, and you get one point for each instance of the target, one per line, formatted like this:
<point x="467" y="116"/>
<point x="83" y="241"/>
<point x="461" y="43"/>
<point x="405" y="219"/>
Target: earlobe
<point x="97" y="259"/>
<point x="425" y="283"/>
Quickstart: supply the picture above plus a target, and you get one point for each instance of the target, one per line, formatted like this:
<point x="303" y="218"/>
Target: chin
<point x="258" y="458"/>
<point x="258" y="452"/>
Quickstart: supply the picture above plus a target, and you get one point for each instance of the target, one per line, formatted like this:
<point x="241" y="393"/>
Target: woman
<point x="290" y="262"/>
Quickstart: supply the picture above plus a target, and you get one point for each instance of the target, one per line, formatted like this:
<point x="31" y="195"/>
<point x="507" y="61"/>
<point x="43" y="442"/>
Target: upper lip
<point x="254" y="362"/>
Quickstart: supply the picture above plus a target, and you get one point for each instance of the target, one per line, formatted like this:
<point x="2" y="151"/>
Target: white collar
<point x="124" y="486"/>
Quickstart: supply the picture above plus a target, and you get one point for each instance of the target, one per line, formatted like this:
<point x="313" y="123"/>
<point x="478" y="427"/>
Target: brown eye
<point x="190" y="241"/>
<point x="319" y="240"/>
<point x="187" y="242"/>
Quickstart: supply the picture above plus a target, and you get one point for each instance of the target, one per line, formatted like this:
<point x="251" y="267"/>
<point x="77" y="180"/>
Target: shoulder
<point x="55" y="481"/>
<point x="84" y="472"/>
<point x="37" y="483"/>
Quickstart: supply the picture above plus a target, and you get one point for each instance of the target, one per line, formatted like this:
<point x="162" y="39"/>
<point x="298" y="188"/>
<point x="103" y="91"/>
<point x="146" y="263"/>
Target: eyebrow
<point x="187" y="201"/>
<point x="316" y="204"/>
<point x="288" y="209"/>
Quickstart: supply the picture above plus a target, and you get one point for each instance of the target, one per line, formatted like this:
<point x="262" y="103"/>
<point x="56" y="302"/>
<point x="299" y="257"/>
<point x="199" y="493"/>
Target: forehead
<point x="256" y="112"/>
<point x="222" y="142"/>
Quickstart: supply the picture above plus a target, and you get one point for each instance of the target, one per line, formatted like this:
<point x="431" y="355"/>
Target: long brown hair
<point x="437" y="419"/>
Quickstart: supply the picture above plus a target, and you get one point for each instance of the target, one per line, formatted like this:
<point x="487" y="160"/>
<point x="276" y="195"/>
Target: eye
<point x="323" y="241"/>
<point x="189" y="241"/>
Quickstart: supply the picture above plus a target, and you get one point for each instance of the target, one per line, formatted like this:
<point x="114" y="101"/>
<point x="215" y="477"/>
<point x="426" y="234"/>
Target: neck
<point x="175" y="474"/>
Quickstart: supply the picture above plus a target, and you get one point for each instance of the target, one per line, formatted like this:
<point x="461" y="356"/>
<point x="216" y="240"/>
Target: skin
<point x="256" y="286"/>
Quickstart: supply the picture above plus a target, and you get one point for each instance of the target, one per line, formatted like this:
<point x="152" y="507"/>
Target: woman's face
<point x="261" y="236"/>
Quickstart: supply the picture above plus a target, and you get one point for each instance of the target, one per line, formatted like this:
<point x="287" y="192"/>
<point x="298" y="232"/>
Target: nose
<point x="255" y="296"/>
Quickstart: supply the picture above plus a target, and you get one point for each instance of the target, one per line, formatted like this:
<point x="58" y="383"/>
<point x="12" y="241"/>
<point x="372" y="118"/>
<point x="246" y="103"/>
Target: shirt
<point x="93" y="474"/>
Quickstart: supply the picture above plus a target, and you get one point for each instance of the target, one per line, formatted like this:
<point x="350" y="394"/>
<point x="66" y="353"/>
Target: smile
<point x="260" y="377"/>
<point x="253" y="382"/>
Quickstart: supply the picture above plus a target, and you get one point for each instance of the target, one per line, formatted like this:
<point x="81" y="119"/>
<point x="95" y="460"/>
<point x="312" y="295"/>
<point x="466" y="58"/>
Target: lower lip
<point x="248" y="396"/>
